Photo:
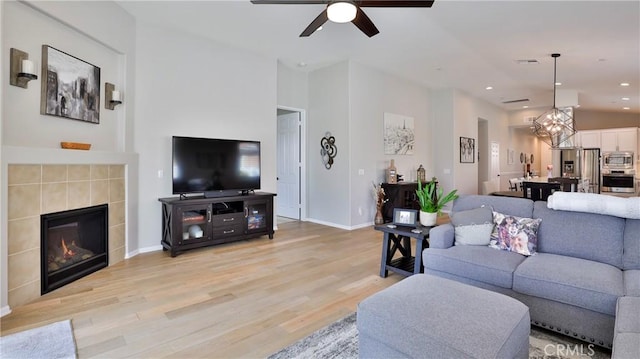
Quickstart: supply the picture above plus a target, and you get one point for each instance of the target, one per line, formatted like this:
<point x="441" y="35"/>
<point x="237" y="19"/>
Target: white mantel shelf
<point x="33" y="155"/>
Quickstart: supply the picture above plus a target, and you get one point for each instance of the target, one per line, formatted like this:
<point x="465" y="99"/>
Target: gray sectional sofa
<point x="584" y="263"/>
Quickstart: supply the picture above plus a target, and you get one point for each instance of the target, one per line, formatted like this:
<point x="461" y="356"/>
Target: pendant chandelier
<point x="555" y="126"/>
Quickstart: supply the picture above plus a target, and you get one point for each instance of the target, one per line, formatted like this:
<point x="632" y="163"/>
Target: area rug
<point x="49" y="341"/>
<point x="340" y="341"/>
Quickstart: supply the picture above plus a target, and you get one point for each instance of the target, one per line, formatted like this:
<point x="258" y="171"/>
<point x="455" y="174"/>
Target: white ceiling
<point x="467" y="45"/>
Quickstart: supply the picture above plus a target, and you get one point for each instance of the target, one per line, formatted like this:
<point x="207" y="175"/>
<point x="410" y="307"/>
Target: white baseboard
<point x="335" y="225"/>
<point x="5" y="310"/>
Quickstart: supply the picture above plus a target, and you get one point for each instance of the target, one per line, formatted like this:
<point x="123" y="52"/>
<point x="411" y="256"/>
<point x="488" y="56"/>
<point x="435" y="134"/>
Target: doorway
<point x="290" y="164"/>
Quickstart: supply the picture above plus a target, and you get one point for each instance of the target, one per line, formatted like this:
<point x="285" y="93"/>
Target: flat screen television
<point x="215" y="167"/>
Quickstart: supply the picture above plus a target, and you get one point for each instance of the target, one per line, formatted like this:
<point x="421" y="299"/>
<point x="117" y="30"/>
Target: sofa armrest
<point x="441" y="236"/>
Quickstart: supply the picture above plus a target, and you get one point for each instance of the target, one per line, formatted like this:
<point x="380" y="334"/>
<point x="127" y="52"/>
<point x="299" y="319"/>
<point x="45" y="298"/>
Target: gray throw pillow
<point x="473" y="227"/>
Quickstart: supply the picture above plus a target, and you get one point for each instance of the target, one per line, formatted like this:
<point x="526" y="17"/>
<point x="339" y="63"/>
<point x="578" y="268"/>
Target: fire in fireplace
<point x="73" y="245"/>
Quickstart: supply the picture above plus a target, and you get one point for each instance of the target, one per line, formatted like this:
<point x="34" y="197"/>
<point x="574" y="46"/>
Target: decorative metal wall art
<point x="328" y="150"/>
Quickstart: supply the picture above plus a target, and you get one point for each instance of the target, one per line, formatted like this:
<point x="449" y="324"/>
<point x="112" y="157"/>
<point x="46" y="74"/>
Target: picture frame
<point x="467" y="150"/>
<point x="399" y="134"/>
<point x="70" y="87"/>
<point x="405" y="217"/>
<point x="511" y="155"/>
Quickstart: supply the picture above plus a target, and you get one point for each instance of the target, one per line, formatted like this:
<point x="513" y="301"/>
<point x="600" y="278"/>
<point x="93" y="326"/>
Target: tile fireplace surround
<point x="35" y="189"/>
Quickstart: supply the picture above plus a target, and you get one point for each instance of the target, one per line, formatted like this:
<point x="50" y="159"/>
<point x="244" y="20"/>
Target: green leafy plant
<point x="431" y="199"/>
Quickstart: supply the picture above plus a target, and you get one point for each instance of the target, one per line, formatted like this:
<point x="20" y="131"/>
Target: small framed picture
<point x="405" y="217"/>
<point x="467" y="150"/>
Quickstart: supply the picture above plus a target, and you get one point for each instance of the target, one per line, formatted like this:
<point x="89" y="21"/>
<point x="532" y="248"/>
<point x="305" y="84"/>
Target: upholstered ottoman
<point x="425" y="316"/>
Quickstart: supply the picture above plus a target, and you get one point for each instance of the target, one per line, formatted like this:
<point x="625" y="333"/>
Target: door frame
<point x="302" y="138"/>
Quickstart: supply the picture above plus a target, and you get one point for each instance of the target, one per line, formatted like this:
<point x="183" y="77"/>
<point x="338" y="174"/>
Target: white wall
<point x="328" y="190"/>
<point x="371" y="94"/>
<point x="456" y="114"/>
<point x="190" y="86"/>
<point x="28" y="29"/>
<point x="292" y="87"/>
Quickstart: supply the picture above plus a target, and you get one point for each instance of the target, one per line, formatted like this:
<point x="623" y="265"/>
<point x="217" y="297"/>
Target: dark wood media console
<point x="195" y="222"/>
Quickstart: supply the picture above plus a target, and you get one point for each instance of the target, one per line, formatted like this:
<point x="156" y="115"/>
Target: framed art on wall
<point x="511" y="155"/>
<point x="467" y="150"/>
<point x="399" y="134"/>
<point x="70" y="87"/>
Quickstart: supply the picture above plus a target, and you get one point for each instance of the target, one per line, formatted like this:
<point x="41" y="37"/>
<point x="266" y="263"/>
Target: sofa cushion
<point x="586" y="284"/>
<point x="632" y="283"/>
<point x="480" y="263"/>
<point x="521" y="207"/>
<point x="515" y="234"/>
<point x="631" y="254"/>
<point x="628" y="315"/>
<point x="626" y="346"/>
<point x="473" y="226"/>
<point x="589" y="236"/>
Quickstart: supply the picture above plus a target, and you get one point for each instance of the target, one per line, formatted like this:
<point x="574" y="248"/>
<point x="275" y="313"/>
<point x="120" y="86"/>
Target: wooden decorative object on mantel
<point x="75" y="145"/>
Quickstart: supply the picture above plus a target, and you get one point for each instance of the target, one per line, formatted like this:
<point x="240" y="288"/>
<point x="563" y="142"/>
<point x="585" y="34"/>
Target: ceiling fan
<point x="348" y="11"/>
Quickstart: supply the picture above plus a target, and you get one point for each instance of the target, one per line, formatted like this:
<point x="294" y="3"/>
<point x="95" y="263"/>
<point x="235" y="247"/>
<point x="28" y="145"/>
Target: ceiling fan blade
<point x="289" y="2"/>
<point x="315" y="24"/>
<point x="365" y="24"/>
<point x="393" y="3"/>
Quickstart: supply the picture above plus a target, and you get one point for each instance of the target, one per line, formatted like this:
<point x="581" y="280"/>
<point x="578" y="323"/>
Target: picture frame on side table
<point x="405" y="217"/>
<point x="467" y="150"/>
<point x="70" y="87"/>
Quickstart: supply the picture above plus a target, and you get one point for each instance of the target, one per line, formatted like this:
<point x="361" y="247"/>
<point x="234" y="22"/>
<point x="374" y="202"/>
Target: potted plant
<point x="432" y="201"/>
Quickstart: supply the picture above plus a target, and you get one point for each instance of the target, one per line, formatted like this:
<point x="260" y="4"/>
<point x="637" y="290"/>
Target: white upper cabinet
<point x="622" y="139"/>
<point x="590" y="139"/>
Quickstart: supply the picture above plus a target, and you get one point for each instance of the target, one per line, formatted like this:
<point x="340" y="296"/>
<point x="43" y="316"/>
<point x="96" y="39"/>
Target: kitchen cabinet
<point x="623" y="139"/>
<point x="590" y="139"/>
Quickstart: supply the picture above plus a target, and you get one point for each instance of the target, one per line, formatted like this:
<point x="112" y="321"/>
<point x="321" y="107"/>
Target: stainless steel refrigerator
<point x="584" y="164"/>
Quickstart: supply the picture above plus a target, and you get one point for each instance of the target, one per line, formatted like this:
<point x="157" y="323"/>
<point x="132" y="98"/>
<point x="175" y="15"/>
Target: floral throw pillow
<point x="515" y="234"/>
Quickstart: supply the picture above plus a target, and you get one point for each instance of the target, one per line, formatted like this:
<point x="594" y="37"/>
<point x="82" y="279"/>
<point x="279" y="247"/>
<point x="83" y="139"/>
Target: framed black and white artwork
<point x="399" y="134"/>
<point x="467" y="150"/>
<point x="70" y="87"/>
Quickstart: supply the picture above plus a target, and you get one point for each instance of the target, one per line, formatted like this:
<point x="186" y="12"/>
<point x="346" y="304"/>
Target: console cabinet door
<point x="258" y="216"/>
<point x="194" y="224"/>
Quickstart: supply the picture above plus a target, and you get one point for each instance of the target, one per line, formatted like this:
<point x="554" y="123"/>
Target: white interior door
<point x="494" y="169"/>
<point x="288" y="200"/>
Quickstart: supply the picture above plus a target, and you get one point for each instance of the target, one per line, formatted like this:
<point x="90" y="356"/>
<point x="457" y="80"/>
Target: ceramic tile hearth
<point x="36" y="189"/>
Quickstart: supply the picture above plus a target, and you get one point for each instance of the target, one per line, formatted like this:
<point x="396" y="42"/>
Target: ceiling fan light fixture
<point x="341" y="11"/>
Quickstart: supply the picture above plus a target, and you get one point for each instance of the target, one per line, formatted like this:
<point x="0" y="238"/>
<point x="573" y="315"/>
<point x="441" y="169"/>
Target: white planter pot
<point x="428" y="218"/>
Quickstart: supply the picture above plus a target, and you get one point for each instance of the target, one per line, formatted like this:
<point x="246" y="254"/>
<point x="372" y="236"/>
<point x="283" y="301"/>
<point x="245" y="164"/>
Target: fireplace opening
<point x="73" y="245"/>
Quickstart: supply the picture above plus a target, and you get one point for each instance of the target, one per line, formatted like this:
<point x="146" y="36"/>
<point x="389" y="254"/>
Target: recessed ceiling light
<point x="602" y="60"/>
<point x="302" y="64"/>
<point x="525" y="106"/>
<point x="625" y="84"/>
<point x="625" y="99"/>
<point x="626" y="108"/>
<point x="558" y="83"/>
<point x="488" y="88"/>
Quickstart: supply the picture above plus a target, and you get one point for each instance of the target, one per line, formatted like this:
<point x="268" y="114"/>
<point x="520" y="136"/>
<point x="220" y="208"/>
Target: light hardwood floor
<point x="240" y="300"/>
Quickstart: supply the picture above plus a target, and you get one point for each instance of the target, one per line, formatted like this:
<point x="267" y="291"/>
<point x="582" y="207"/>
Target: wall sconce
<point x="22" y="69"/>
<point x="112" y="98"/>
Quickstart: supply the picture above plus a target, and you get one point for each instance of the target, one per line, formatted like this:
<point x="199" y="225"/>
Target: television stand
<point x="199" y="221"/>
